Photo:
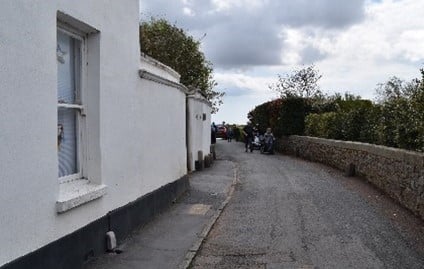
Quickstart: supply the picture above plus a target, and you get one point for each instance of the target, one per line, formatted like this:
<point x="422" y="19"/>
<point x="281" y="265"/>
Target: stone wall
<point x="397" y="172"/>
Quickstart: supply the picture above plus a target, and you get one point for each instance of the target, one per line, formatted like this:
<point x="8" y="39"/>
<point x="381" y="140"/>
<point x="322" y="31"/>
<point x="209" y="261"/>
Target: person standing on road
<point x="248" y="136"/>
<point x="269" y="140"/>
<point x="230" y="134"/>
<point x="214" y="129"/>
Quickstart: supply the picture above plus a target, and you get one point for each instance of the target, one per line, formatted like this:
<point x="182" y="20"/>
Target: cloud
<point x="235" y="91"/>
<point x="311" y="55"/>
<point x="386" y="43"/>
<point x="240" y="45"/>
<point x="242" y="33"/>
<point x="251" y="85"/>
<point x="302" y="46"/>
<point x="318" y="13"/>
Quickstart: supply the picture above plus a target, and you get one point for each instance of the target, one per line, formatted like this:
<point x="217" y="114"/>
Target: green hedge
<point x="396" y="121"/>
<point x="283" y="116"/>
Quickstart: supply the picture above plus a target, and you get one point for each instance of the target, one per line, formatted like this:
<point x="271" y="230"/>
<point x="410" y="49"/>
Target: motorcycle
<point x="256" y="143"/>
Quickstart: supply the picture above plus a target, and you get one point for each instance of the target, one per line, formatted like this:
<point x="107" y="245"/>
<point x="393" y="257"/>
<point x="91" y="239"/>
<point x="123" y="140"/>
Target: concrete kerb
<point x="192" y="252"/>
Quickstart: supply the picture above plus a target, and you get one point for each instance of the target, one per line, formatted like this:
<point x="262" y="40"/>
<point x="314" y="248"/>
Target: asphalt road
<point x="290" y="213"/>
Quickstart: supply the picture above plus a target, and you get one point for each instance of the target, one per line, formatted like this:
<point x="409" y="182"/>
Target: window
<point x="78" y="95"/>
<point x="70" y="106"/>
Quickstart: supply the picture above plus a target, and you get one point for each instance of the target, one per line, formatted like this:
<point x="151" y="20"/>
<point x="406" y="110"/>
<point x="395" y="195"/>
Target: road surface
<point x="290" y="213"/>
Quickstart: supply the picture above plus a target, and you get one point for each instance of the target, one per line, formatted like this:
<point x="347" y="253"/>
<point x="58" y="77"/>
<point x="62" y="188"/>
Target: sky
<point x="354" y="44"/>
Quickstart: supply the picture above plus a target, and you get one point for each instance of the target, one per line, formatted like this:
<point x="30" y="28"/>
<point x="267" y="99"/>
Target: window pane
<point x="67" y="130"/>
<point x="66" y="68"/>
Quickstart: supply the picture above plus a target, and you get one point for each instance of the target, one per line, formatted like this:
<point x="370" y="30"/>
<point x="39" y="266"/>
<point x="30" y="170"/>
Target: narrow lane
<point x="289" y="213"/>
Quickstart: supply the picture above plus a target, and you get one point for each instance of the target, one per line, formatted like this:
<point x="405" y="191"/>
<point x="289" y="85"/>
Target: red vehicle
<point x="221" y="132"/>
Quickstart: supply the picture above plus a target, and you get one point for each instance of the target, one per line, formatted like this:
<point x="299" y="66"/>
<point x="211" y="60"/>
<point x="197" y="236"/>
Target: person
<point x="214" y="129"/>
<point x="230" y="134"/>
<point x="248" y="136"/>
<point x="269" y="140"/>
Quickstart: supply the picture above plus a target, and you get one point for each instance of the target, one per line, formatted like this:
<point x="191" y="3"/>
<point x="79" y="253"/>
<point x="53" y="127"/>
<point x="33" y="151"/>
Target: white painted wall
<point x="136" y="127"/>
<point x="199" y="130"/>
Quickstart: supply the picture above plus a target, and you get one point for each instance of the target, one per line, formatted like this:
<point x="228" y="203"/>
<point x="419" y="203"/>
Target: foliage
<point x="292" y="119"/>
<point x="302" y="83"/>
<point x="267" y="115"/>
<point x="352" y="120"/>
<point x="324" y="125"/>
<point x="174" y="47"/>
<point x="283" y="116"/>
<point x="402" y="119"/>
<point x="395" y="120"/>
<point x="237" y="133"/>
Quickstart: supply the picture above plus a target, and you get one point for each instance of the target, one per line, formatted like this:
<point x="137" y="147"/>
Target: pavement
<point x="172" y="239"/>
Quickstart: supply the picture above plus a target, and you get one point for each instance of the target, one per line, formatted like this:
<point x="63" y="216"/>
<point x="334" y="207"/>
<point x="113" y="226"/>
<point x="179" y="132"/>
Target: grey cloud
<point x="311" y="55"/>
<point x="172" y="10"/>
<point x="242" y="38"/>
<point x="321" y="13"/>
<point x="235" y="91"/>
<point x="241" y="44"/>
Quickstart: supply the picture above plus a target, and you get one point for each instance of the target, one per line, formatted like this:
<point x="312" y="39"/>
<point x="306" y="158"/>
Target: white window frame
<point x="86" y="185"/>
<point x="79" y="105"/>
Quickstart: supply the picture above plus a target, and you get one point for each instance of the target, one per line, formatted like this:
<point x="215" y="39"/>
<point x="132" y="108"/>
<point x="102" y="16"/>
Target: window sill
<point x="78" y="192"/>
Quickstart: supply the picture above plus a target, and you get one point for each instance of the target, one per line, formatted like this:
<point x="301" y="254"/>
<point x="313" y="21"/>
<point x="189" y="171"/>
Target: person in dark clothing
<point x="248" y="136"/>
<point x="230" y="134"/>
<point x="214" y="129"/>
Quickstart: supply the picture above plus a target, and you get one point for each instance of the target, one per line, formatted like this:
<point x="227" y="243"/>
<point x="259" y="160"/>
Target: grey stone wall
<point x="397" y="172"/>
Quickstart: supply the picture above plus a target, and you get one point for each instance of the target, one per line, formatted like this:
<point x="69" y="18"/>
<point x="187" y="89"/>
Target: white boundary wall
<point x="198" y="127"/>
<point x="136" y="126"/>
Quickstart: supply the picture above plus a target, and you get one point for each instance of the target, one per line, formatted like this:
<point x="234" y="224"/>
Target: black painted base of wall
<point x="73" y="250"/>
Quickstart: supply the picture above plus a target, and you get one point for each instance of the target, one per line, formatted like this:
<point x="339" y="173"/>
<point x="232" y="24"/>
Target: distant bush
<point x="266" y="115"/>
<point x="352" y="119"/>
<point x="283" y="116"/>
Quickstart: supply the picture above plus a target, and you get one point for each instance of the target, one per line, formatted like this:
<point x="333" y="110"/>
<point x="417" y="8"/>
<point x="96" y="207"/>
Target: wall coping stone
<point x="199" y="97"/>
<point x="412" y="157"/>
<point x="145" y="74"/>
<point x="149" y="62"/>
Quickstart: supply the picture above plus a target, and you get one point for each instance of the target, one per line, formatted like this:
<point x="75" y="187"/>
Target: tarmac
<point x="172" y="239"/>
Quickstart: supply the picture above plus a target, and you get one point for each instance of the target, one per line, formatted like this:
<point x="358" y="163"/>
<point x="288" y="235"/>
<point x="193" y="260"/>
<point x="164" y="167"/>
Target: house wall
<point x="199" y="128"/>
<point x="136" y="127"/>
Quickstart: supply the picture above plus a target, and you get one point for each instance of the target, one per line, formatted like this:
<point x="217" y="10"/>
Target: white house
<point x="92" y="138"/>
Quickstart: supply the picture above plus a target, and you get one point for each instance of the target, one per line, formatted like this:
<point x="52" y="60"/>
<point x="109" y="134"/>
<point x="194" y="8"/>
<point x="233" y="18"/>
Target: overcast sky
<point x="355" y="44"/>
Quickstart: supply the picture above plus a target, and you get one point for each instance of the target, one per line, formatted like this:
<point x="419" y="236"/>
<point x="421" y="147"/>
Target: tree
<point x="402" y="121"/>
<point x="302" y="83"/>
<point x="174" y="47"/>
